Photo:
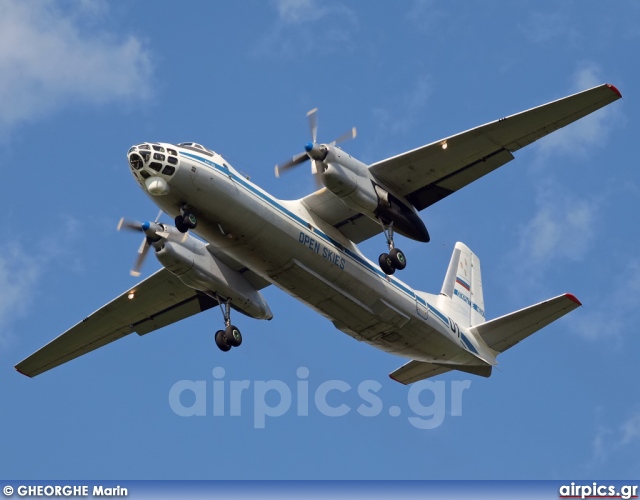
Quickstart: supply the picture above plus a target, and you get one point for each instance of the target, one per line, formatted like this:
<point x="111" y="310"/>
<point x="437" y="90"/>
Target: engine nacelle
<point x="197" y="268"/>
<point x="356" y="191"/>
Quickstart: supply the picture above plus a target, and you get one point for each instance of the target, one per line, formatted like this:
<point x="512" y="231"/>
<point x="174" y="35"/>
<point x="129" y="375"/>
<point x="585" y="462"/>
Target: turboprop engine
<point x="198" y="268"/>
<point x="191" y="261"/>
<point x="351" y="181"/>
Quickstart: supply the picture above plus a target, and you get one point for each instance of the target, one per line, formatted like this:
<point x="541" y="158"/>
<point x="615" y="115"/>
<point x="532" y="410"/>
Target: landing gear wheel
<point x="232" y="336"/>
<point x="180" y="225"/>
<point x="386" y="264"/>
<point x="189" y="220"/>
<point x="221" y="341"/>
<point x="398" y="260"/>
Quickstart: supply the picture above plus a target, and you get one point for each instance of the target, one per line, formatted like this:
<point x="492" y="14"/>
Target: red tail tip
<point x="572" y="298"/>
<point x="613" y="87"/>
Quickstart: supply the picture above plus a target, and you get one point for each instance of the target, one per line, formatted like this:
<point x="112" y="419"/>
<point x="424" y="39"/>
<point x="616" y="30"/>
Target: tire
<point x="385" y="264"/>
<point x="221" y="341"/>
<point x="180" y="226"/>
<point x="398" y="260"/>
<point x="190" y="220"/>
<point x="232" y="336"/>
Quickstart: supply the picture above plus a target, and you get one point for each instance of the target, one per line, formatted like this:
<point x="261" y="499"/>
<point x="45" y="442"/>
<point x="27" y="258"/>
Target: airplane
<point x="230" y="239"/>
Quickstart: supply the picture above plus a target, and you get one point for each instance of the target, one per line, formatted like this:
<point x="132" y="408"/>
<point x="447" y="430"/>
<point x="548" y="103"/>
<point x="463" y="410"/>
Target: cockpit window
<point x="196" y="147"/>
<point x="173" y="160"/>
<point x="136" y="161"/>
<point x="155" y="166"/>
<point x="168" y="170"/>
<point x="143" y="146"/>
<point x="172" y="152"/>
<point x="158" y="148"/>
<point x="158" y="156"/>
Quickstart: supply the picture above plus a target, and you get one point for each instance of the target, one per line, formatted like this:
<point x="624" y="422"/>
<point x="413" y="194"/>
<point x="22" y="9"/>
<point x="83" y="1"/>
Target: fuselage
<point x="294" y="249"/>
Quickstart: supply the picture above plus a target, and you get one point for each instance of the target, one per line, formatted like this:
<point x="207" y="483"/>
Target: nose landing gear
<point x="395" y="259"/>
<point x="186" y="220"/>
<point x="230" y="336"/>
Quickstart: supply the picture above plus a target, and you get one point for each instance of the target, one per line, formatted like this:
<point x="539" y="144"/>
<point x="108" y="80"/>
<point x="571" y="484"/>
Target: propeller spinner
<point x="312" y="150"/>
<point x="153" y="233"/>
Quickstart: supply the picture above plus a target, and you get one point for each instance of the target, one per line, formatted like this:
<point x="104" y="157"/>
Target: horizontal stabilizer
<point x="480" y="370"/>
<point x="506" y="331"/>
<point x="419" y="370"/>
<point x="416" y="370"/>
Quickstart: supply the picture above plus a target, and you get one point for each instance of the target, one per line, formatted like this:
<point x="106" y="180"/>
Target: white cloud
<point x="426" y="15"/>
<point x="550" y="27"/>
<point x="47" y="60"/>
<point x="614" y="307"/>
<point x="305" y="26"/>
<point x="22" y="269"/>
<point x="579" y="138"/>
<point x="562" y="226"/>
<point x="408" y="108"/>
<point x="630" y="429"/>
<point x="19" y="273"/>
<point x="300" y="11"/>
<point x="611" y="441"/>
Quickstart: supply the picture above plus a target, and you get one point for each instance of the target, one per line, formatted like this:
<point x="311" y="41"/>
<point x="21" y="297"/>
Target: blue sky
<point x="82" y="80"/>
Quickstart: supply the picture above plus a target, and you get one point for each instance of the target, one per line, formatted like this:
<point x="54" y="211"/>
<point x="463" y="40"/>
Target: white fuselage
<point x="294" y="249"/>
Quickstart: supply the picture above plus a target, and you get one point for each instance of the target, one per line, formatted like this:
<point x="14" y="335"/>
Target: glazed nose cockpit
<point x="153" y="165"/>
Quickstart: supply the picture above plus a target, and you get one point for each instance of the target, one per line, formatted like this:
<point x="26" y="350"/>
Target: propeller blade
<point x="345" y="137"/>
<point x="316" y="172"/>
<point x="143" y="245"/>
<point x="296" y="160"/>
<point x="313" y="124"/>
<point x="142" y="255"/>
<point x="130" y="225"/>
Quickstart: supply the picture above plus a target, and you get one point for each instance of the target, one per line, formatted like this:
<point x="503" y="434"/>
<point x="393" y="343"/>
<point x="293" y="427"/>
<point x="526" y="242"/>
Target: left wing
<point x="430" y="173"/>
<point x="158" y="301"/>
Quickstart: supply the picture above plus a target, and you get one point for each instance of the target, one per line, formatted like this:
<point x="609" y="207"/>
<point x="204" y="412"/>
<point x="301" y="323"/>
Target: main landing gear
<point x="395" y="259"/>
<point x="186" y="220"/>
<point x="230" y="336"/>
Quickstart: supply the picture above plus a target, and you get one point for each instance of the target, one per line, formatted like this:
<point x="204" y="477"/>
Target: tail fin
<point x="463" y="285"/>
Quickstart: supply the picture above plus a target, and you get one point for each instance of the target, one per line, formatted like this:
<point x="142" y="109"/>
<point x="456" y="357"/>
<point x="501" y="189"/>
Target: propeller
<point x="153" y="232"/>
<point x="313" y="151"/>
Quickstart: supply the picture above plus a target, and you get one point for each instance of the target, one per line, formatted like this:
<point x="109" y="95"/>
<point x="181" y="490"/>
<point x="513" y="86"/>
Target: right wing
<point x="432" y="172"/>
<point x="158" y="301"/>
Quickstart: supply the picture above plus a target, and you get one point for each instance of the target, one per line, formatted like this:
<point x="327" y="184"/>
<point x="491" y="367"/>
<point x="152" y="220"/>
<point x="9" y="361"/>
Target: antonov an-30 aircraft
<point x="249" y="240"/>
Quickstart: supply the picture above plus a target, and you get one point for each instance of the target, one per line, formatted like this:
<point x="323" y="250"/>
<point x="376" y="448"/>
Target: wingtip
<point x="22" y="373"/>
<point x="573" y="298"/>
<point x="614" y="89"/>
<point x="396" y="380"/>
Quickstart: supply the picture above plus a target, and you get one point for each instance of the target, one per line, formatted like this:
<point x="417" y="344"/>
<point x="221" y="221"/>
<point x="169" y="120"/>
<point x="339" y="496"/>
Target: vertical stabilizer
<point x="463" y="285"/>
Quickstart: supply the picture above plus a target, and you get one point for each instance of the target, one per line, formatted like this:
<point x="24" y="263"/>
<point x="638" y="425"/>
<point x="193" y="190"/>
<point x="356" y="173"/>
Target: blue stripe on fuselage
<point x="468" y="343"/>
<point x="318" y="232"/>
